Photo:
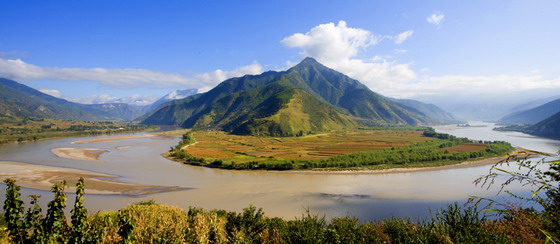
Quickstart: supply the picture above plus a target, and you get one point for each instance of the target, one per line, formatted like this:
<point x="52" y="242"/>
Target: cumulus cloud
<point x="436" y="19"/>
<point x="337" y="45"/>
<point x="52" y="92"/>
<point x="400" y="38"/>
<point x="19" y="70"/>
<point x="330" y="42"/>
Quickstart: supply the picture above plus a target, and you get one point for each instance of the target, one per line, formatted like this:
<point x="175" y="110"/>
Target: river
<point x="281" y="194"/>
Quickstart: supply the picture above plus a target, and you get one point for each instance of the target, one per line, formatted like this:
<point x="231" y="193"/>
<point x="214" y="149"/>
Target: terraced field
<point x="219" y="145"/>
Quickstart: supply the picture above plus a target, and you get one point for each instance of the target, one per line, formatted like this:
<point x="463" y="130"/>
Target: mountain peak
<point x="308" y="61"/>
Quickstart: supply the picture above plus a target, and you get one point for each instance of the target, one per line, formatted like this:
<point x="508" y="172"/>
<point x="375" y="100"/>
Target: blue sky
<point x="92" y="51"/>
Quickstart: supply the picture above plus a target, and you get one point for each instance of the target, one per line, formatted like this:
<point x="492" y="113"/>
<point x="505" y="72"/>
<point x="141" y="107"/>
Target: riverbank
<point x="43" y="177"/>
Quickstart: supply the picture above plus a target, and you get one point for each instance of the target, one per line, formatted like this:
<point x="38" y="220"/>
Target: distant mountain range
<point x="533" y="115"/>
<point x="174" y="95"/>
<point x="307" y="98"/>
<point x="18" y="100"/>
<point x="549" y="127"/>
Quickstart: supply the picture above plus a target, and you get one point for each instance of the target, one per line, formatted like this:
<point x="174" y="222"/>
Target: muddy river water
<point x="282" y="194"/>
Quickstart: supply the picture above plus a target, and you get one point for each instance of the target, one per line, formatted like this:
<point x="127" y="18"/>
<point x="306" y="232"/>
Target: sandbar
<point x="78" y="153"/>
<point x="43" y="177"/>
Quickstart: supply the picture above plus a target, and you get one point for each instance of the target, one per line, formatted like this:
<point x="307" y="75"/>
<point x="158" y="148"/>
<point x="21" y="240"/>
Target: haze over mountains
<point x="18" y="100"/>
<point x="532" y="115"/>
<point x="306" y="98"/>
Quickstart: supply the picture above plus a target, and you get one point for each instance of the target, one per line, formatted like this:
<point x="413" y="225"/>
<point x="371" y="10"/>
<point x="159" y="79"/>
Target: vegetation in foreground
<point x="363" y="149"/>
<point x="25" y="129"/>
<point x="148" y="222"/>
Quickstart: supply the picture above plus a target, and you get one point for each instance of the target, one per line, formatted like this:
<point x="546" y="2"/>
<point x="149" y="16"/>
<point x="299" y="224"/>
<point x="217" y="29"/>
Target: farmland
<point x="220" y="145"/>
<point x="358" y="149"/>
<point x="21" y="130"/>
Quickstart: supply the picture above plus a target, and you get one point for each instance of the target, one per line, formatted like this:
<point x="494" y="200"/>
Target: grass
<point x="219" y="145"/>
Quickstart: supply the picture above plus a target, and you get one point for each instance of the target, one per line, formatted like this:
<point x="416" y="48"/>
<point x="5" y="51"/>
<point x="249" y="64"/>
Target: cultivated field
<point x="219" y="145"/>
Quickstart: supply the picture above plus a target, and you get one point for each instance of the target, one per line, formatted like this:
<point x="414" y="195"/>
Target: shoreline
<point x="42" y="177"/>
<point x="519" y="153"/>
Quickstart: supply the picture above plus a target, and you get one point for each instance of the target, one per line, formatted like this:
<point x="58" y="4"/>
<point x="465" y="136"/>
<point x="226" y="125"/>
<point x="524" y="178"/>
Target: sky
<point x="137" y="51"/>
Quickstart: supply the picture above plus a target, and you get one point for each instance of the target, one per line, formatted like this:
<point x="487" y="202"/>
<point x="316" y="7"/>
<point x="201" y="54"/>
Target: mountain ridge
<point x="534" y="115"/>
<point x="246" y="105"/>
<point x="18" y="100"/>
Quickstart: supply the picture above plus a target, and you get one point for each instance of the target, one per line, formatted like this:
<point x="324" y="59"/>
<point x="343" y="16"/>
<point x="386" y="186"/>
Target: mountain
<point x="532" y="116"/>
<point x="549" y="127"/>
<point x="18" y="100"/>
<point x="430" y="110"/>
<point x="114" y="111"/>
<point x="309" y="97"/>
<point x="174" y="95"/>
<point x="533" y="104"/>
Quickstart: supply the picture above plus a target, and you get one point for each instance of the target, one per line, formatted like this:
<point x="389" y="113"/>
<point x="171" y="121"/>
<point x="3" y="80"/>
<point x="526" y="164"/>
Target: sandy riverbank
<point x="43" y="177"/>
<point x="78" y="153"/>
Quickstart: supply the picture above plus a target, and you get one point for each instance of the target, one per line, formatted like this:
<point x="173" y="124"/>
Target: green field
<point x="220" y="145"/>
<point x="374" y="148"/>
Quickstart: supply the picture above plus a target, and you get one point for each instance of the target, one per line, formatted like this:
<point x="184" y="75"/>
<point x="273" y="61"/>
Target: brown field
<point x="466" y="147"/>
<point x="219" y="145"/>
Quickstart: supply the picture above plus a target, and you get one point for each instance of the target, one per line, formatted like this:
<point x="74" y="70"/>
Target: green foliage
<point x="79" y="215"/>
<point x="309" y="229"/>
<point x="13" y="210"/>
<point x="34" y="222"/>
<point x="56" y="227"/>
<point x="147" y="222"/>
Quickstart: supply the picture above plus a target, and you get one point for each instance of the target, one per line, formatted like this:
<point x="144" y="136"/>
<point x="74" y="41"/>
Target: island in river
<point x="365" y="149"/>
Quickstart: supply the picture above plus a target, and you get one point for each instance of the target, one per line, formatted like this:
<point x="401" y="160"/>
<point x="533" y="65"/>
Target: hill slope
<point x="178" y="94"/>
<point x="306" y="98"/>
<point x="18" y="100"/>
<point x="534" y="115"/>
<point x="549" y="127"/>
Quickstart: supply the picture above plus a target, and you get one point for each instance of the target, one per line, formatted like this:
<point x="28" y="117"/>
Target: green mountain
<point x="18" y="100"/>
<point x="532" y="116"/>
<point x="549" y="127"/>
<point x="306" y="98"/>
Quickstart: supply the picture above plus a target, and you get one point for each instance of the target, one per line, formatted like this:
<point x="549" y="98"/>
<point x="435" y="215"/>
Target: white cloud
<point x="336" y="46"/>
<point x="451" y="85"/>
<point x="400" y="38"/>
<point x="436" y="19"/>
<point x="18" y="70"/>
<point x="52" y="92"/>
<point x="397" y="51"/>
<point x="330" y="42"/>
<point x="135" y="99"/>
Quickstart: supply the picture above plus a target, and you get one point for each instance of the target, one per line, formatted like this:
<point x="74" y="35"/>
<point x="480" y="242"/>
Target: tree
<point x="55" y="221"/>
<point x="13" y="210"/>
<point x="34" y="221"/>
<point x="79" y="215"/>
